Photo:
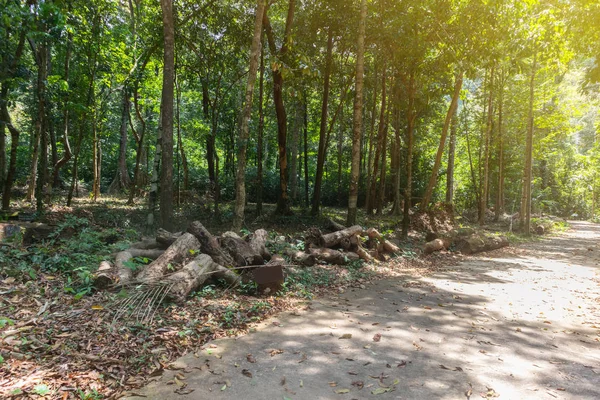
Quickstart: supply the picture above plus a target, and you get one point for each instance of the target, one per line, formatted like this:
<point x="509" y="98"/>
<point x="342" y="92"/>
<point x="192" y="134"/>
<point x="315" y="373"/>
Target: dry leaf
<point x="342" y="391"/>
<point x="346" y="336"/>
<point x="377" y="337"/>
<point x="274" y="352"/>
<point x="250" y="358"/>
<point x="247" y="373"/>
<point x="381" y="390"/>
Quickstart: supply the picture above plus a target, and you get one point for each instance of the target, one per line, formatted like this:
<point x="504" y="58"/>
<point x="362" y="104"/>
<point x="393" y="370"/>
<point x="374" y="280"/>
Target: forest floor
<point x="517" y="323"/>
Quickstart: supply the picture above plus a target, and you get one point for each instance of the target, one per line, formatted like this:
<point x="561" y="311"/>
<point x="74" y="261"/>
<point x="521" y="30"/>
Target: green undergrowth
<point x="72" y="253"/>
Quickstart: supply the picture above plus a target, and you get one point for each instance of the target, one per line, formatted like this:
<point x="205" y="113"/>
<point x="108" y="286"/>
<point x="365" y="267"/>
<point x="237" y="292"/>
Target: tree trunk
<point x="240" y="176"/>
<point x="451" y="156"/>
<point x="294" y="151"/>
<point x="525" y="214"/>
<point x="383" y="169"/>
<point x="357" y="118"/>
<point x="12" y="166"/>
<point x="121" y="181"/>
<point x="95" y="159"/>
<point x="500" y="194"/>
<point x="166" y="167"/>
<point x="74" y="176"/>
<point x="305" y="131"/>
<point x="370" y="154"/>
<point x="67" y="154"/>
<point x="485" y="184"/>
<point x="411" y="117"/>
<point x="323" y="126"/>
<point x="181" y="149"/>
<point x="139" y="154"/>
<point x="283" y="206"/>
<point x="379" y="149"/>
<point x="41" y="125"/>
<point x="261" y="128"/>
<point x="440" y="152"/>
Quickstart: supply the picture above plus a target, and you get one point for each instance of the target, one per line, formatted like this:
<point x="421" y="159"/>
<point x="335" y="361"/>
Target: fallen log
<point x="334" y="238"/>
<point x="258" y="243"/>
<point x="166" y="238"/>
<point x="174" y="254"/>
<point x="194" y="274"/>
<point x="147" y="244"/>
<point x="300" y="257"/>
<point x="387" y="245"/>
<point x="104" y="276"/>
<point x="364" y="254"/>
<point x="477" y="244"/>
<point x="437" y="245"/>
<point x="124" y="274"/>
<point x="240" y="251"/>
<point x="349" y="243"/>
<point x="209" y="244"/>
<point x="334" y="226"/>
<point x="330" y="256"/>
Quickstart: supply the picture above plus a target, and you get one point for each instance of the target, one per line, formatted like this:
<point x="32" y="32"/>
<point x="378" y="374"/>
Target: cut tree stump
<point x="194" y="274"/>
<point x="300" y="257"/>
<point x="330" y="256"/>
<point x="258" y="243"/>
<point x="174" y="254"/>
<point x="476" y="244"/>
<point x="241" y="252"/>
<point x="209" y="244"/>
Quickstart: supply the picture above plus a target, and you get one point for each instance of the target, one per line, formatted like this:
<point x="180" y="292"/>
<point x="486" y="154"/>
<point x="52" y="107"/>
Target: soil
<point x="516" y="323"/>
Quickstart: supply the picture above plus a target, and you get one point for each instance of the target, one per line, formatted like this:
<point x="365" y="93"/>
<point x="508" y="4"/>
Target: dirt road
<point x="521" y="323"/>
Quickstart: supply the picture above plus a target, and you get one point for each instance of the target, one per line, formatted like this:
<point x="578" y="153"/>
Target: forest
<point x="379" y="106"/>
<point x="298" y="132"/>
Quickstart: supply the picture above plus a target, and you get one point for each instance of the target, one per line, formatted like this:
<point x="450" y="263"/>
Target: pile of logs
<point x="465" y="240"/>
<point x="203" y="256"/>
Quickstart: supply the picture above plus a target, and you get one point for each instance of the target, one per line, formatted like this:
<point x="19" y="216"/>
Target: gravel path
<point x="519" y="323"/>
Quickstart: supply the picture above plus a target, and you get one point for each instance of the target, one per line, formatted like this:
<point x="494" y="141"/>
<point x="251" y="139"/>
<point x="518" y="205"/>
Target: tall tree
<point x="323" y="126"/>
<point x="458" y="80"/>
<point x="166" y="163"/>
<point x="357" y="116"/>
<point x="240" y="176"/>
<point x="283" y="206"/>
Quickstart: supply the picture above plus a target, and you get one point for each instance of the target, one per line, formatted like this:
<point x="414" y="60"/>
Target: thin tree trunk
<point x="411" y="117"/>
<point x="67" y="154"/>
<point x="306" y="200"/>
<point x="527" y="173"/>
<point x="140" y="148"/>
<point x="184" y="162"/>
<point x="261" y="128"/>
<point x="483" y="200"/>
<point x="295" y="139"/>
<point x="357" y="118"/>
<point x="95" y="160"/>
<point x="166" y="167"/>
<point x="283" y="206"/>
<point x="12" y="166"/>
<point x="121" y="181"/>
<point x="370" y="164"/>
<point x="451" y="156"/>
<point x="379" y="201"/>
<point x="240" y="176"/>
<point x="379" y="149"/>
<point x="500" y="194"/>
<point x="440" y="152"/>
